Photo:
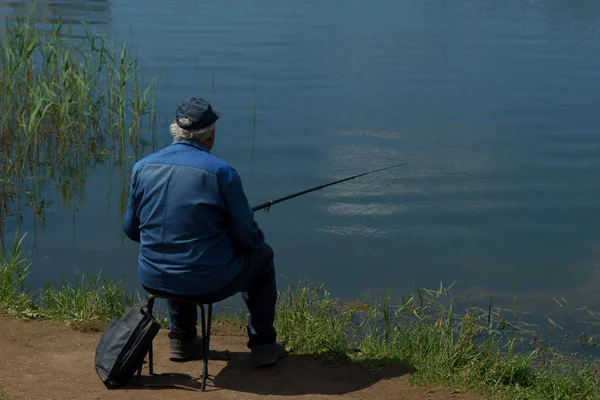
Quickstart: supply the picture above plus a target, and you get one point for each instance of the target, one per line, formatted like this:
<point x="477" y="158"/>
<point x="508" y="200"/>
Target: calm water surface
<point x="496" y="106"/>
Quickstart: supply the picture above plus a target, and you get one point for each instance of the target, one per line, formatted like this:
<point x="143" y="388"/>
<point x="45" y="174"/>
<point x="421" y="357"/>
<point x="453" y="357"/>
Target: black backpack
<point x="124" y="345"/>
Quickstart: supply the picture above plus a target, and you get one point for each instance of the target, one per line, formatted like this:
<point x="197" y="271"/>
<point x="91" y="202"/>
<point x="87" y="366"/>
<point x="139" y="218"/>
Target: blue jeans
<point x="257" y="284"/>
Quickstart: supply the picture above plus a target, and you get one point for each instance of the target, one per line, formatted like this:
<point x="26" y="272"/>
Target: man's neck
<point x="192" y="143"/>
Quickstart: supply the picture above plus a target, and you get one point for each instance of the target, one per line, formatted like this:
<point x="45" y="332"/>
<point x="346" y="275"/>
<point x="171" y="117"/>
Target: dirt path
<point x="39" y="360"/>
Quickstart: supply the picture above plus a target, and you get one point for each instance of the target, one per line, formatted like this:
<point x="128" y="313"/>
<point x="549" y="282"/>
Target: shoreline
<point x="60" y="362"/>
<point x="461" y="349"/>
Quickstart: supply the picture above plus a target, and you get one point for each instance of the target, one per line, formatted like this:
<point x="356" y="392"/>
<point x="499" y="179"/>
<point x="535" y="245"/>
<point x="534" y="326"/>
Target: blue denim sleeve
<point x="242" y="229"/>
<point x="131" y="226"/>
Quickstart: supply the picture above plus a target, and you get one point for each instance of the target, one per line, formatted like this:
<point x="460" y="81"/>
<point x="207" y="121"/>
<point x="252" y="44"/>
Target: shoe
<point x="186" y="350"/>
<point x="267" y="354"/>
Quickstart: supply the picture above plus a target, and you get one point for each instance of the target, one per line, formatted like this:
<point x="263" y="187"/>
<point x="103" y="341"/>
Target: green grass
<point x="86" y="302"/>
<point x="4" y="395"/>
<point x="465" y="351"/>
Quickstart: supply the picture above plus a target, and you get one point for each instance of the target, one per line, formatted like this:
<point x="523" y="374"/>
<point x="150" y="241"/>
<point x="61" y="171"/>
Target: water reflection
<point x="356" y="230"/>
<point x="373" y="209"/>
<point x="579" y="15"/>
<point x="54" y="188"/>
<point x="77" y="14"/>
<point x="372" y="134"/>
<point x="71" y="12"/>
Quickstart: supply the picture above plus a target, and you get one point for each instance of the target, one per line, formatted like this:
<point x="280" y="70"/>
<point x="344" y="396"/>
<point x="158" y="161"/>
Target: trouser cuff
<point x="181" y="335"/>
<point x="258" y="339"/>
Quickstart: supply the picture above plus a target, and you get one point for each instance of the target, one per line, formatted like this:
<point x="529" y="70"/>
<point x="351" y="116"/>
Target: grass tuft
<point x="87" y="303"/>
<point x="311" y="323"/>
<point x="467" y="352"/>
<point x="13" y="272"/>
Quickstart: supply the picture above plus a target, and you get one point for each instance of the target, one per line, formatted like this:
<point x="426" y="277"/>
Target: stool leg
<point x="203" y="321"/>
<point x="206" y="343"/>
<point x="150" y="354"/>
<point x="206" y="325"/>
<point x="150" y="361"/>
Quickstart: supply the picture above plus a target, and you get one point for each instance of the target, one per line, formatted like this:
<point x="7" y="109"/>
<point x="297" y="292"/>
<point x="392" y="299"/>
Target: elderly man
<point x="198" y="237"/>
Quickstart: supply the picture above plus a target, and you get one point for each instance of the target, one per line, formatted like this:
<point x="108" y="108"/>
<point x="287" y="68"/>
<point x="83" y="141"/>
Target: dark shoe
<point x="186" y="350"/>
<point x="267" y="354"/>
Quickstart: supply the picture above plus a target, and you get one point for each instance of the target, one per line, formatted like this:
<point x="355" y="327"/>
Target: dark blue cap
<point x="198" y="111"/>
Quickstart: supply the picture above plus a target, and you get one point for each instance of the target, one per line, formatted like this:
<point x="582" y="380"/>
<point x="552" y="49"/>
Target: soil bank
<point x="42" y="360"/>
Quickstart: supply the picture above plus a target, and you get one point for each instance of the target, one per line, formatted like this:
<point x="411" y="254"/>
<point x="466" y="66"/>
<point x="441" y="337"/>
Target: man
<point x="198" y="237"/>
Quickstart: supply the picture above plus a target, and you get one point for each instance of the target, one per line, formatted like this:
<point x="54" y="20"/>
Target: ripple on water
<point x="361" y="209"/>
<point x="75" y="13"/>
<point x="428" y="233"/>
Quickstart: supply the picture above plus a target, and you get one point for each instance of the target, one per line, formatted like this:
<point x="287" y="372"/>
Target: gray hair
<point x="198" y="135"/>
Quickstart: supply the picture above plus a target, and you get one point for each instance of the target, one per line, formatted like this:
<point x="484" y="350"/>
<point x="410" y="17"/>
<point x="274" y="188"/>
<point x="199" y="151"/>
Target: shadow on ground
<point x="292" y="376"/>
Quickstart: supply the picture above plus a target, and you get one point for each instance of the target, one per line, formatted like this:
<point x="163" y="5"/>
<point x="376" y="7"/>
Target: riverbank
<point x="424" y="335"/>
<point x="42" y="360"/>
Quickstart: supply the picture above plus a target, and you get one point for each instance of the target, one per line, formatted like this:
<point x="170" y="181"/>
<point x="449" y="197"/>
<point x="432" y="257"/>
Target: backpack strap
<point x="147" y="305"/>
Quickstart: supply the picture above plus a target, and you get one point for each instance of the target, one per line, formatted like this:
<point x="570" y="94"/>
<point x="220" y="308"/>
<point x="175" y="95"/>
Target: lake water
<point x="496" y="105"/>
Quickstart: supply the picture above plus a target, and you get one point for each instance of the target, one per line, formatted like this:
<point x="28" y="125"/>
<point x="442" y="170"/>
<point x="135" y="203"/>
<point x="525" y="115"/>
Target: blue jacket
<point x="188" y="211"/>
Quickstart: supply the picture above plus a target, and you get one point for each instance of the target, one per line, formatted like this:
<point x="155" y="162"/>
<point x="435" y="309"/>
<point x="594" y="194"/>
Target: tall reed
<point x="65" y="104"/>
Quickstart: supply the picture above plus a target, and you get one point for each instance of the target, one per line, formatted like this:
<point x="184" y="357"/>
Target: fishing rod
<point x="269" y="203"/>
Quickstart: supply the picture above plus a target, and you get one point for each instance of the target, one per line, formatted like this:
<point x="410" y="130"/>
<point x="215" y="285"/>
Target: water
<point x="494" y="104"/>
